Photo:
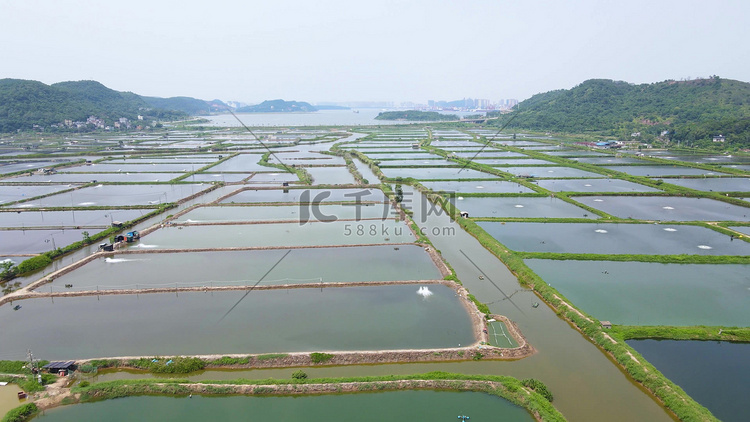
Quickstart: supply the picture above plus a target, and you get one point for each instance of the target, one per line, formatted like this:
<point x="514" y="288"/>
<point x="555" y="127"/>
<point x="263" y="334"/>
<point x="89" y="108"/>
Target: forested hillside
<point x="691" y="111"/>
<point x="27" y="104"/>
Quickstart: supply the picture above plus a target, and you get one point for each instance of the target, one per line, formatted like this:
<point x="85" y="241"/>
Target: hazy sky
<point x="339" y="50"/>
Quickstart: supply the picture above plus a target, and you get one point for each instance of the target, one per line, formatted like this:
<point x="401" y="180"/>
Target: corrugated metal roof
<point x="59" y="364"/>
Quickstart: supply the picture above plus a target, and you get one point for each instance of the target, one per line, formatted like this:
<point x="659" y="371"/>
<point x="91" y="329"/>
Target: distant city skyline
<point x="381" y="50"/>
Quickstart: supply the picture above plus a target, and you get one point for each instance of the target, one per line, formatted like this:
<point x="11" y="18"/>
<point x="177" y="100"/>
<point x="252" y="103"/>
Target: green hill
<point x="25" y="104"/>
<point x="691" y="111"/>
<point x="415" y="116"/>
<point x="278" y="106"/>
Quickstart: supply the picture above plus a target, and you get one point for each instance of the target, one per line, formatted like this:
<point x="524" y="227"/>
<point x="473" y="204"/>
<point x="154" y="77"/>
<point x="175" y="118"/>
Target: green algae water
<point x="413" y="405"/>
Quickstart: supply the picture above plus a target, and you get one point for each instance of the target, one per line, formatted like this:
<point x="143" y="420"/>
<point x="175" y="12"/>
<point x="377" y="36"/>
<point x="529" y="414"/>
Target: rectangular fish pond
<point x="608" y="238"/>
<point x="647" y="293"/>
<point x="657" y="171"/>
<point x="120" y="195"/>
<point x="409" y="405"/>
<point x="522" y="207"/>
<point x="593" y="185"/>
<point x="278" y="235"/>
<point x="306" y="195"/>
<point x="331" y="175"/>
<point x="37" y="241"/>
<point x="16" y="193"/>
<point x="97" y="218"/>
<point x="714" y="373"/>
<point x="133" y="168"/>
<point x="549" y="172"/>
<point x="716" y="184"/>
<point x="240" y="268"/>
<point x="437" y="173"/>
<point x="244" y="163"/>
<point x="484" y="186"/>
<point x="667" y="208"/>
<point x="99" y="177"/>
<point x="320" y="212"/>
<point x="292" y="320"/>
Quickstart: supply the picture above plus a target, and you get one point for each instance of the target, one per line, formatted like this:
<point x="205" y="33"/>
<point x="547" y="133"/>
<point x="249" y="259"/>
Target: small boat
<point x="17" y="307"/>
<point x="535" y="305"/>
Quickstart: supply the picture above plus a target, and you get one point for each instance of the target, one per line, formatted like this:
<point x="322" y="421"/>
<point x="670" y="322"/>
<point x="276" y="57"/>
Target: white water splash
<point x="519" y="206"/>
<point x="598" y="200"/>
<point x="116" y="260"/>
<point x="704" y="247"/>
<point x="480" y="187"/>
<point x="460" y="198"/>
<point x="143" y="245"/>
<point x="669" y="229"/>
<point x="424" y="291"/>
<point x="668" y="208"/>
<point x="601" y="231"/>
<point x="588" y="185"/>
<point x="87" y="203"/>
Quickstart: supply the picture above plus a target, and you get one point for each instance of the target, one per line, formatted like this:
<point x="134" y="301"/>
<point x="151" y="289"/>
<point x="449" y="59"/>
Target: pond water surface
<point x="412" y="405"/>
<point x="667" y="208"/>
<point x="713" y="373"/>
<point x="608" y="238"/>
<point x="522" y="207"/>
<point x="239" y="268"/>
<point x="337" y="318"/>
<point x="645" y="293"/>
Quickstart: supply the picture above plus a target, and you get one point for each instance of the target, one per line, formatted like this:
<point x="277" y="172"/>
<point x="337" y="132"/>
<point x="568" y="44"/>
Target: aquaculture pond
<point x="608" y="238"/>
<point x="412" y="405"/>
<point x="420" y="163"/>
<point x="722" y="184"/>
<point x="433" y="173"/>
<point x="742" y="229"/>
<point x="241" y="163"/>
<point x="578" y="153"/>
<point x="609" y="160"/>
<point x="700" y="158"/>
<point x="289" y="320"/>
<point x="714" y="373"/>
<point x="385" y="156"/>
<point x="120" y="195"/>
<point x="512" y="162"/>
<point x="549" y="172"/>
<point x="593" y="185"/>
<point x="366" y="172"/>
<point x="645" y="293"/>
<point x="320" y="212"/>
<point x="99" y="177"/>
<point x="239" y="268"/>
<point x="489" y="153"/>
<point x="133" y="168"/>
<point x="35" y="218"/>
<point x="667" y="208"/>
<point x="16" y="193"/>
<point x="192" y="159"/>
<point x="656" y="171"/>
<point x="278" y="235"/>
<point x="12" y="166"/>
<point x="522" y="207"/>
<point x="484" y="186"/>
<point x="306" y="195"/>
<point x="331" y="175"/>
<point x="276" y="178"/>
<point x="37" y="241"/>
<point x="216" y="177"/>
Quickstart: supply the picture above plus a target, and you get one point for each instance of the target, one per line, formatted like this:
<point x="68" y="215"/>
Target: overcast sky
<point x="340" y="50"/>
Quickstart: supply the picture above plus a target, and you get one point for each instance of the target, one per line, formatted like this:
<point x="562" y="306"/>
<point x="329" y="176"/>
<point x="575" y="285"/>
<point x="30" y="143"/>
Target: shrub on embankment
<point x="21" y="413"/>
